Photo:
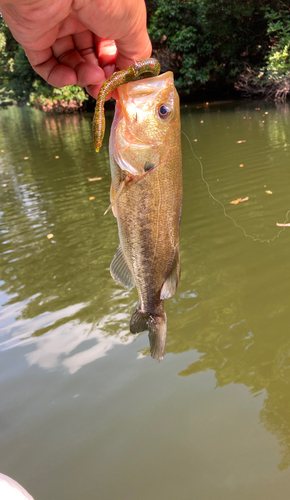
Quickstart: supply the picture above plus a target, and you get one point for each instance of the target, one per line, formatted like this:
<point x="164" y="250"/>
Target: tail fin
<point x="157" y="326"/>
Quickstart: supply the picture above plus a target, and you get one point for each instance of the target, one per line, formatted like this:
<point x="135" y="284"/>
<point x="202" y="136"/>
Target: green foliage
<point x="271" y="79"/>
<point x="6" y="96"/>
<point x="2" y="42"/>
<point x="207" y="44"/>
<point x="211" y="39"/>
<point x="21" y="76"/>
<point x="278" y="59"/>
<point x="43" y="92"/>
<point x="19" y="82"/>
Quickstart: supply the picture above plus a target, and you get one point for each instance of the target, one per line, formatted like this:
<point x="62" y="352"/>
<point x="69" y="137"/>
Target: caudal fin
<point x="157" y="326"/>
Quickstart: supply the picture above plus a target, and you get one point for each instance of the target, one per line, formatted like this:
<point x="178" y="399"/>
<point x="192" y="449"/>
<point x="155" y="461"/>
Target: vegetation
<point x="210" y="45"/>
<point x="217" y="44"/>
<point x="210" y="40"/>
<point x="19" y="83"/>
<point x="272" y="80"/>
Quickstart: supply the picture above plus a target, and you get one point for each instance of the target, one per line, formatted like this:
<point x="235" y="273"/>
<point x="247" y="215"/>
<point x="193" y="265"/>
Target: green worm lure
<point x="138" y="70"/>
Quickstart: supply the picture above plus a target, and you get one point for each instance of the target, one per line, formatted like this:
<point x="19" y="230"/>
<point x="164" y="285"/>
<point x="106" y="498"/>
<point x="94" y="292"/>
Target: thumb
<point x="135" y="44"/>
<point x="136" y="50"/>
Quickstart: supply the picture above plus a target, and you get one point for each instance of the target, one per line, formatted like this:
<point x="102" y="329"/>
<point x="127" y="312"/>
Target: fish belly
<point x="148" y="214"/>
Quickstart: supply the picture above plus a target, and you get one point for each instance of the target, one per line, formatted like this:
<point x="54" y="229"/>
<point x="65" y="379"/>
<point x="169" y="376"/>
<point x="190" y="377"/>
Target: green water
<point x="85" y="412"/>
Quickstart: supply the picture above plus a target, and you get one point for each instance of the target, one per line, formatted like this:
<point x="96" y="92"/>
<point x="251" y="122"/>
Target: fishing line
<point x="223" y="206"/>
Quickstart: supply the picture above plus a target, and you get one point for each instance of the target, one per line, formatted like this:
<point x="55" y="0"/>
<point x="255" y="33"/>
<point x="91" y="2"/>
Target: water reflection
<point x="65" y="278"/>
<point x="240" y="322"/>
<point x="232" y="306"/>
<point x="64" y="347"/>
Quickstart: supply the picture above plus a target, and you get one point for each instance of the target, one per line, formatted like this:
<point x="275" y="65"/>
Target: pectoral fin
<point x="170" y="285"/>
<point x="120" y="271"/>
<point x="113" y="197"/>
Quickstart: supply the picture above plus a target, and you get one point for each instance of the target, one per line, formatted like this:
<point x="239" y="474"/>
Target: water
<point x="84" y="410"/>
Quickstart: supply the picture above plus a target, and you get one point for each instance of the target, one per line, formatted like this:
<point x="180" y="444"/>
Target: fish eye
<point x="164" y="111"/>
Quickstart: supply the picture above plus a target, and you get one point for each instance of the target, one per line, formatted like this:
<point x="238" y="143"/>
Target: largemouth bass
<point x="146" y="196"/>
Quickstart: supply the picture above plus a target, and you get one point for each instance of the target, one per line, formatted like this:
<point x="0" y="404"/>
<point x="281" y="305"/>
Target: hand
<point x="79" y="42"/>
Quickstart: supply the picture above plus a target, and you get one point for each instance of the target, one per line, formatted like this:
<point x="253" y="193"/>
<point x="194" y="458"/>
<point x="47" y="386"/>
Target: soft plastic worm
<point x="138" y="70"/>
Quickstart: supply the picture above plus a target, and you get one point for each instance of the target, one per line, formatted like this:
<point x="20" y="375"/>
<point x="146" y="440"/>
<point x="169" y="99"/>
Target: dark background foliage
<point x="209" y="43"/>
<point x="212" y="46"/>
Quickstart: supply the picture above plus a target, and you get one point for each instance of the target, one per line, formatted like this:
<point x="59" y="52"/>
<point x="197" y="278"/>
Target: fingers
<point x="62" y="44"/>
<point x="48" y="67"/>
<point x="134" y="43"/>
<point x="89" y="72"/>
<point x="70" y="61"/>
<point x="77" y="52"/>
<point x="106" y="50"/>
<point x="123" y="21"/>
<point x="93" y="90"/>
<point x="122" y="59"/>
<point x="85" y="44"/>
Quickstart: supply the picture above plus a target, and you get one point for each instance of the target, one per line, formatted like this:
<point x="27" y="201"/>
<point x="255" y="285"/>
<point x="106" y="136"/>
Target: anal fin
<point x="171" y="283"/>
<point x="120" y="271"/>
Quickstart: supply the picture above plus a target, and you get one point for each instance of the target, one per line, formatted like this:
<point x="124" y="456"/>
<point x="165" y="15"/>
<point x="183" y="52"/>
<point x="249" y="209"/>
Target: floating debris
<point x="239" y="200"/>
<point x="95" y="179"/>
<point x="49" y="236"/>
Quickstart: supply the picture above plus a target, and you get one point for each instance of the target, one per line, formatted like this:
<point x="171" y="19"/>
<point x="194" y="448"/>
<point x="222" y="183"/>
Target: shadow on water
<point x="233" y="302"/>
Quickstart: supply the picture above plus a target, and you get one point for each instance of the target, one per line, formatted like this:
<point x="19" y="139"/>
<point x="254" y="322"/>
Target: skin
<point x="79" y="42"/>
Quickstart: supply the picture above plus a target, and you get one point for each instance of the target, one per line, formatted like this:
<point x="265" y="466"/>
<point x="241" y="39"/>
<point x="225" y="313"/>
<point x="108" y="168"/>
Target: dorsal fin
<point x="120" y="271"/>
<point x="171" y="283"/>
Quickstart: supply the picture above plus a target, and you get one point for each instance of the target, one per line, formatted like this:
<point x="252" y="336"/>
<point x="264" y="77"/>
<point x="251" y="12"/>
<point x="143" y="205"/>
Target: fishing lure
<point x="142" y="69"/>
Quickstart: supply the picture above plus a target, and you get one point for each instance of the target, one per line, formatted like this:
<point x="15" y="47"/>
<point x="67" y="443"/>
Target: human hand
<point x="79" y="42"/>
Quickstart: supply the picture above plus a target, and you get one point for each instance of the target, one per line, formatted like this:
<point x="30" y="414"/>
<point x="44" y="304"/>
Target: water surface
<point x="84" y="410"/>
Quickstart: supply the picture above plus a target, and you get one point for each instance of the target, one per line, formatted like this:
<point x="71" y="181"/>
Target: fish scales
<point x="146" y="193"/>
<point x="150" y="248"/>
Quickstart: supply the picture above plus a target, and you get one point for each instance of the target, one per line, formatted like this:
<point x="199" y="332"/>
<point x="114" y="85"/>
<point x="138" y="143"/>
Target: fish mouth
<point x="138" y="134"/>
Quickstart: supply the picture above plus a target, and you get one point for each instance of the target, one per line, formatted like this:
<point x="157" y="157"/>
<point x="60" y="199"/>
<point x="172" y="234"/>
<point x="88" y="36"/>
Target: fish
<point x="146" y="199"/>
